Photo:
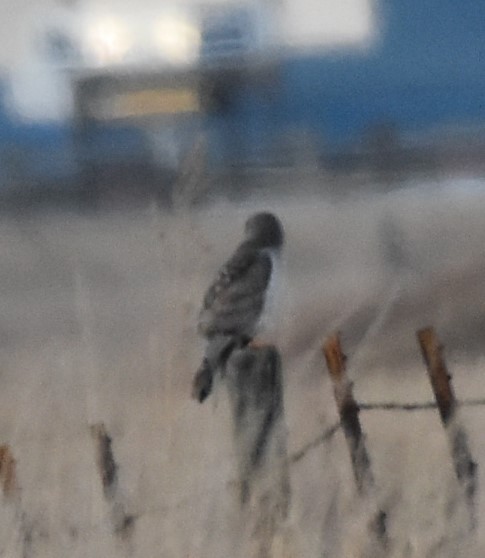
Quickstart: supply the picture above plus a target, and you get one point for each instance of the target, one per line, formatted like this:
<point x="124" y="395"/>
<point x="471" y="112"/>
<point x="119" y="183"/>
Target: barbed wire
<point x="377" y="406"/>
<point x="322" y="438"/>
<point x="415" y="406"/>
<point x="298" y="455"/>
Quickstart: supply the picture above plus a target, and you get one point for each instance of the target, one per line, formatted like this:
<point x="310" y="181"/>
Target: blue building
<point x="425" y="71"/>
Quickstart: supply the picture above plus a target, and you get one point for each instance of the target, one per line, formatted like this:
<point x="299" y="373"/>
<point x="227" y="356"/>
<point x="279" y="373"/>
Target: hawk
<point x="235" y="305"/>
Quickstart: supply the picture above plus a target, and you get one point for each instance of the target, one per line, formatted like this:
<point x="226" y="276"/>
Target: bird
<point x="235" y="307"/>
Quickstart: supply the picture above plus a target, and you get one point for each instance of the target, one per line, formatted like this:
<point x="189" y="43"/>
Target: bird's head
<point x="265" y="230"/>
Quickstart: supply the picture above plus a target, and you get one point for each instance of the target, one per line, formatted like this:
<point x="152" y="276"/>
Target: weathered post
<point x="255" y="386"/>
<point x="348" y="410"/>
<point x="11" y="492"/>
<point x="8" y="474"/>
<point x="122" y="522"/>
<point x="465" y="467"/>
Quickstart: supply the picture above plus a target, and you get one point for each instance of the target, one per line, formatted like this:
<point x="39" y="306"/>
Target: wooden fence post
<point x="465" y="467"/>
<point x="255" y="386"/>
<point x="11" y="491"/>
<point x="8" y="473"/>
<point x="348" y="410"/>
<point x="123" y="523"/>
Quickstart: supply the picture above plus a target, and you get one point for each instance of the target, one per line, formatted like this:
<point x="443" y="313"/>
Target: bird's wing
<point x="234" y="302"/>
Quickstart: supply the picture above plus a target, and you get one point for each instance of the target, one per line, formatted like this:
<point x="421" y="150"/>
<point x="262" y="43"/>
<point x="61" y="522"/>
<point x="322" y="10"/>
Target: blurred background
<point x="147" y="106"/>
<point x="109" y="98"/>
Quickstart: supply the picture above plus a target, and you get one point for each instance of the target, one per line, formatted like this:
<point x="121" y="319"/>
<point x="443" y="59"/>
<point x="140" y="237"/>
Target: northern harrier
<point x="236" y="303"/>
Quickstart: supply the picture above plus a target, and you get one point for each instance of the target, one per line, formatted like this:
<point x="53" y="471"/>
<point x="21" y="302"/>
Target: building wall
<point x="344" y="68"/>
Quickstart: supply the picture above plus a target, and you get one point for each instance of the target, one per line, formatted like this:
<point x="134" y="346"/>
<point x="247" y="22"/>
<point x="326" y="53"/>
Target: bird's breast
<point x="269" y="315"/>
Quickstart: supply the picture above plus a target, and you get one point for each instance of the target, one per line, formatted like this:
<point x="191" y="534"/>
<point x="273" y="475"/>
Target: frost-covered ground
<point x="97" y="324"/>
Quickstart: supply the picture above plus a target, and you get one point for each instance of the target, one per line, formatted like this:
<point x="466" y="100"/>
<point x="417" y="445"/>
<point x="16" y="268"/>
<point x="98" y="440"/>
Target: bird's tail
<point x="203" y="380"/>
<point x="217" y="353"/>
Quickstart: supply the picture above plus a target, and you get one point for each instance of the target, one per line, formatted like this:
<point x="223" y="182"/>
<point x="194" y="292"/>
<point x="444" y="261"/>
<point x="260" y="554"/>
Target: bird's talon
<point x="257" y="343"/>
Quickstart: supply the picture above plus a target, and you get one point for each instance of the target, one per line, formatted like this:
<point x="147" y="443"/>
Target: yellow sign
<point x="155" y="101"/>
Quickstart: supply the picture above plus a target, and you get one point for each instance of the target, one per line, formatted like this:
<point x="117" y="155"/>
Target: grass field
<point x="97" y="324"/>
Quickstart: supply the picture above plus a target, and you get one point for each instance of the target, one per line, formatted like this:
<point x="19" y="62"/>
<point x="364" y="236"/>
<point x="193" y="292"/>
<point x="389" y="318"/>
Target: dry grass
<point x="97" y="326"/>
